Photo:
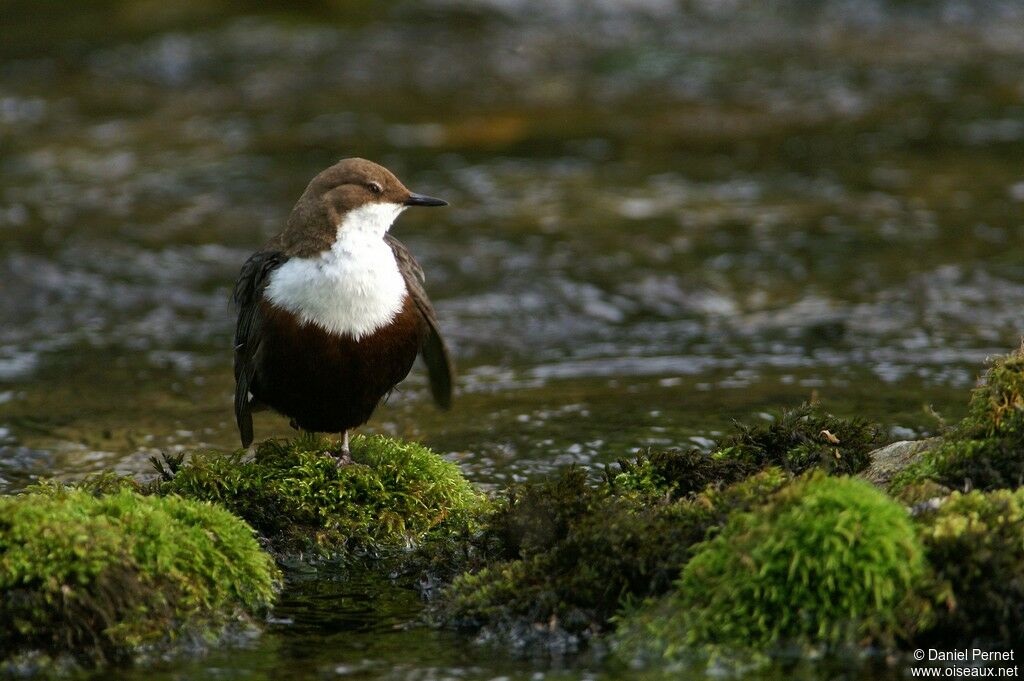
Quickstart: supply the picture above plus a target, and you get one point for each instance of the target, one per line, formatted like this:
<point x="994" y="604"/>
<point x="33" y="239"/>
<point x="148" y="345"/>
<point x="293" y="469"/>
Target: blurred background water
<point x="665" y="214"/>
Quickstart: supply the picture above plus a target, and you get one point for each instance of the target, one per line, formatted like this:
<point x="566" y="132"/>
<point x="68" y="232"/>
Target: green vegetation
<point x="802" y="439"/>
<point x="828" y="561"/>
<point x="678" y="473"/>
<point x="976" y="544"/>
<point x="766" y="544"/>
<point x="996" y="408"/>
<point x="795" y="440"/>
<point x="986" y="449"/>
<point x="108" y="568"/>
<point x="100" y="576"/>
<point x="574" y="553"/>
<point x="568" y="554"/>
<point x="394" y="495"/>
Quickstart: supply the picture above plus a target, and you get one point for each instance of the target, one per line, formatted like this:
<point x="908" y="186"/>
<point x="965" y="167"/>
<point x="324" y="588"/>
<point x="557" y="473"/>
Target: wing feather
<point x="433" y="349"/>
<point x="247" y="295"/>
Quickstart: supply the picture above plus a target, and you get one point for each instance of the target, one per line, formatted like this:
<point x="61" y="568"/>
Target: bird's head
<point x="353" y="195"/>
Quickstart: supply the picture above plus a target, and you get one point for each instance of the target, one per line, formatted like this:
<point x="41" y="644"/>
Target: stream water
<point x="664" y="216"/>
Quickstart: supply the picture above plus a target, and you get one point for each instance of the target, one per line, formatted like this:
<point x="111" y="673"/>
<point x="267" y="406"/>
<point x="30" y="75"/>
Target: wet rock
<point x="891" y="459"/>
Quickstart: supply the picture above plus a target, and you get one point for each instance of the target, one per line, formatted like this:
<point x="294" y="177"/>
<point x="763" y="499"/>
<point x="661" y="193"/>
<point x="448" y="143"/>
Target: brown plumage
<point x="323" y="379"/>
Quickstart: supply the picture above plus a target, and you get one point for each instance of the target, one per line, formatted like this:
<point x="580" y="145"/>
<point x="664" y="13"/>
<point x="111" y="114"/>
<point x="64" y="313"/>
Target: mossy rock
<point x="795" y="440"/>
<point x="893" y="459"/>
<point x="828" y="562"/>
<point x="996" y="408"/>
<point x="976" y="544"/>
<point x="995" y="463"/>
<point x="574" y="553"/>
<point x="803" y="439"/>
<point x="104" y="577"/>
<point x="393" y="496"/>
<point x="680" y="473"/>
<point x="986" y="449"/>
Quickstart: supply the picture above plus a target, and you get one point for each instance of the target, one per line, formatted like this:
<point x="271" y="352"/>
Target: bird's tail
<point x="243" y="412"/>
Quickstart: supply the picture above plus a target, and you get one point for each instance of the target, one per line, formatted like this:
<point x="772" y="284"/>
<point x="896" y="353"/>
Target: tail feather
<point x="439" y="369"/>
<point x="243" y="412"/>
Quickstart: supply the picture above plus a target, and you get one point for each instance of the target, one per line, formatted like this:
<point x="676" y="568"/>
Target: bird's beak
<point x="420" y="200"/>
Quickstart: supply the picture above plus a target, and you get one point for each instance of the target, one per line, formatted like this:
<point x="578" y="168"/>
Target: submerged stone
<point x="102" y="578"/>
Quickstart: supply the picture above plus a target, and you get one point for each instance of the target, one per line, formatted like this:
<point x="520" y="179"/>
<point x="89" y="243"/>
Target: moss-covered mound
<point x="573" y="553"/>
<point x="963" y="464"/>
<point x="986" y="449"/>
<point x="568" y="554"/>
<point x="997" y="406"/>
<point x="101" y="576"/>
<point x="805" y="438"/>
<point x="679" y="473"/>
<point x="293" y="493"/>
<point x="794" y="440"/>
<point x="828" y="561"/>
<point x="976" y="544"/>
<point x="766" y="545"/>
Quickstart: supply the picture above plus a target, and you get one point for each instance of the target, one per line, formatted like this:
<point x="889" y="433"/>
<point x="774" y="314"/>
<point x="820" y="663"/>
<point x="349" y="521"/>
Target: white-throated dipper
<point x="332" y="311"/>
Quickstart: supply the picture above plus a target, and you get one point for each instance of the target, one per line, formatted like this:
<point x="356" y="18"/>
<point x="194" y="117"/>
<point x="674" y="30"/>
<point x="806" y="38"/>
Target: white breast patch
<point x="353" y="289"/>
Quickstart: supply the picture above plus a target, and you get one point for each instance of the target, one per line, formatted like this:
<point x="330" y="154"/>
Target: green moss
<point x="532" y="517"/>
<point x="805" y="438"/>
<point x="100" y="576"/>
<point x="986" y="449"/>
<point x="996" y="463"/>
<point x="679" y="473"/>
<point x="996" y="408"/>
<point x="921" y="493"/>
<point x="828" y="561"/>
<point x="976" y="544"/>
<point x="292" y="492"/>
<point x="575" y="553"/>
<point x="795" y="440"/>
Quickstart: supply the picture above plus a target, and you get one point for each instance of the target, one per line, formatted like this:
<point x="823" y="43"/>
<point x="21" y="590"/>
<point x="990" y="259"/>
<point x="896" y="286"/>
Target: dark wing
<point x="248" y="293"/>
<point x="433" y="350"/>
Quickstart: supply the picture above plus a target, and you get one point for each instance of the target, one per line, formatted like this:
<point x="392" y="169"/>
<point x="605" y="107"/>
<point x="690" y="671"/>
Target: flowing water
<point x="664" y="216"/>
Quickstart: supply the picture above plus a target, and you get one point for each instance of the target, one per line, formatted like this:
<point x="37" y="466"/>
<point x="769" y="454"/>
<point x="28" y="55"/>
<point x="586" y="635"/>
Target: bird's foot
<point x="341" y="455"/>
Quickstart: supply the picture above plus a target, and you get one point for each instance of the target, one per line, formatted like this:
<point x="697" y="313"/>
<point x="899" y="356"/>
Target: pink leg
<point x="342" y="454"/>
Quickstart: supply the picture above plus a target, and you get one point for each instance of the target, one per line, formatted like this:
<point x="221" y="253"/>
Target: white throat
<point x="353" y="289"/>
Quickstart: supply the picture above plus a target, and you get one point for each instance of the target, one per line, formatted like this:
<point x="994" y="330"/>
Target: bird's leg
<point x="341" y="454"/>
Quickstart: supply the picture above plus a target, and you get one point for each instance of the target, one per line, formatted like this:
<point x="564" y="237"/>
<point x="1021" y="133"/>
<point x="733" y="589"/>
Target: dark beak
<point x="420" y="200"/>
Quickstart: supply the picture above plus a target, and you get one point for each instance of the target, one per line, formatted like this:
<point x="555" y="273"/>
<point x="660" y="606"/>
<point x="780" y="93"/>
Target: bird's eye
<point x="375" y="188"/>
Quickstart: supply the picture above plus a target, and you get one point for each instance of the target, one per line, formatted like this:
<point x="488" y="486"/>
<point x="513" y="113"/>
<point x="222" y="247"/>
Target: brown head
<point x="351" y="188"/>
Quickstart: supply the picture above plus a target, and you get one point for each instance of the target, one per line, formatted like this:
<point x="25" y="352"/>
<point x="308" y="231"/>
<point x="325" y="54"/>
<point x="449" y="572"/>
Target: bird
<point x="332" y="311"/>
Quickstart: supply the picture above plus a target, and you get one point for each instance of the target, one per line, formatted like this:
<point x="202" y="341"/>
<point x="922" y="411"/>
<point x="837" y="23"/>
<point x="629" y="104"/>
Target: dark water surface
<point x="665" y="215"/>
